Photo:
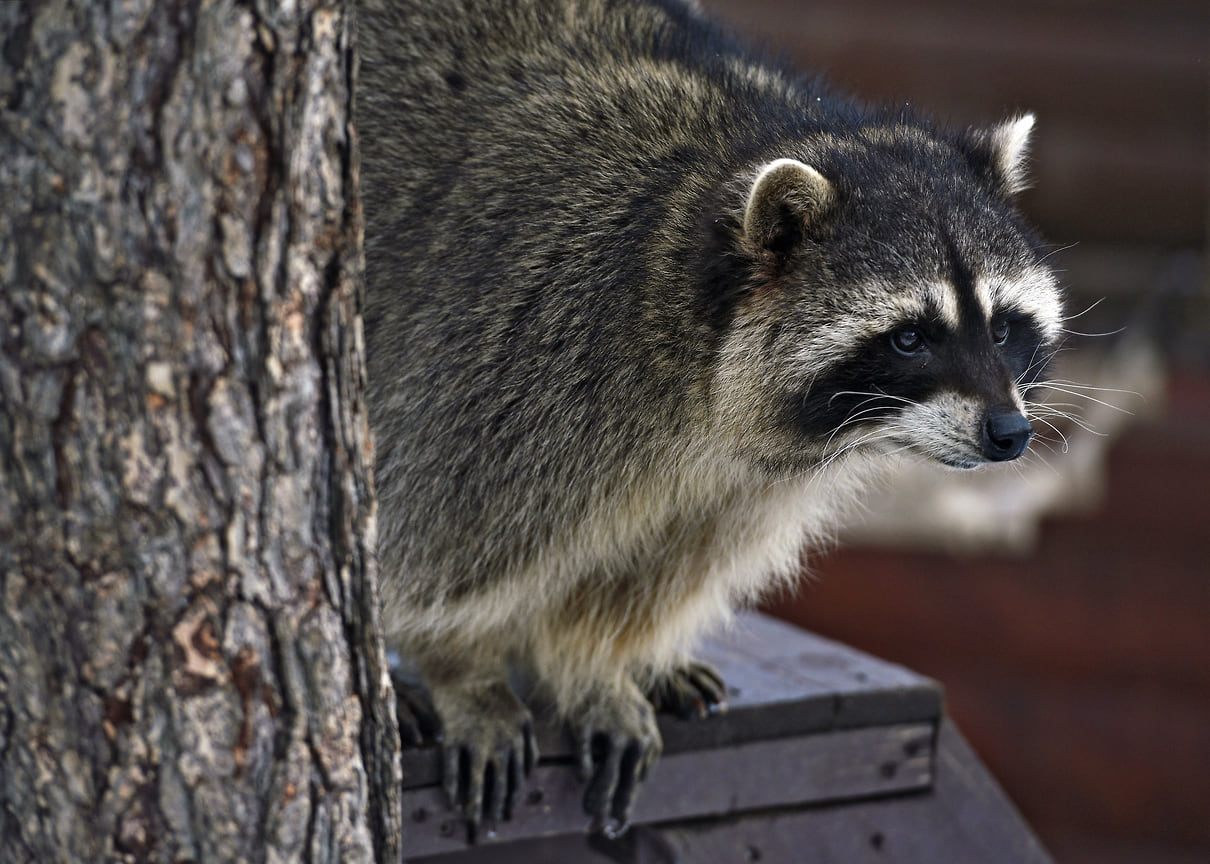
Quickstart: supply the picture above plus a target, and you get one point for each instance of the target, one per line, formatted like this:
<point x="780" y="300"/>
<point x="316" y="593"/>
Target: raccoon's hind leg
<point x="688" y="690"/>
<point x="488" y="744"/>
<point x="617" y="741"/>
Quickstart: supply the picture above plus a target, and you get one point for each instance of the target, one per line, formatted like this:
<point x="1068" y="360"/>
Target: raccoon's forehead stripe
<point x="942" y="298"/>
<point x="983" y="294"/>
<point x="929" y="300"/>
<point x="1034" y="293"/>
<point x="889" y="307"/>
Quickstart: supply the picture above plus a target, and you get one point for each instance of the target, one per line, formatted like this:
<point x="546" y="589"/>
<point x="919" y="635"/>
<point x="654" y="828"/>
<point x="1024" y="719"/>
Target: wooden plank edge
<point x="813" y="769"/>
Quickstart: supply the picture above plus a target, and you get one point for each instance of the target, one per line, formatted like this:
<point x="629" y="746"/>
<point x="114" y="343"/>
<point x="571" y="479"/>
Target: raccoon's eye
<point x="907" y="339"/>
<point x="1000" y="330"/>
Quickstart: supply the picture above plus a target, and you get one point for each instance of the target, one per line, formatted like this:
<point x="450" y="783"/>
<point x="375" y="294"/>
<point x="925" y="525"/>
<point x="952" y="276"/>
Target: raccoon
<point x="644" y="314"/>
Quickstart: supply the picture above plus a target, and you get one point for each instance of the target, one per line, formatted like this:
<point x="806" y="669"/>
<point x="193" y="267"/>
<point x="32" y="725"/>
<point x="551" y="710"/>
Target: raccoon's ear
<point x="1006" y="150"/>
<point x="786" y="197"/>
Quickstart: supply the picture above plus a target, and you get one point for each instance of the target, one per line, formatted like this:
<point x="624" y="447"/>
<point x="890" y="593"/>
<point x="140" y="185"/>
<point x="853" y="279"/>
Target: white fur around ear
<point x="786" y="196"/>
<point x="1009" y="144"/>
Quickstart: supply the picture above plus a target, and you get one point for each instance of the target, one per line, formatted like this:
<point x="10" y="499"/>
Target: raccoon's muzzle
<point x="1006" y="434"/>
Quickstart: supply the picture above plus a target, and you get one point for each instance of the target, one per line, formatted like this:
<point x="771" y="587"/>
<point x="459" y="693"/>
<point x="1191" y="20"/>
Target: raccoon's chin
<point x="945" y="459"/>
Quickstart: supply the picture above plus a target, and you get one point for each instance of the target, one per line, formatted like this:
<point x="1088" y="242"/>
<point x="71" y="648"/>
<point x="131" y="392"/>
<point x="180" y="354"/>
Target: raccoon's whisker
<point x="1042" y="441"/>
<point x="1018" y="464"/>
<point x="1051" y="385"/>
<point x="1121" y="329"/>
<point x="850" y="421"/>
<point x="1034" y="414"/>
<point x="1052" y="406"/>
<point x="1049" y="448"/>
<point x="1035" y="458"/>
<point x="1057" y="431"/>
<point x="1074" y="419"/>
<point x="873" y="395"/>
<point x="1094" y="305"/>
<point x="1042" y="410"/>
<point x="1056" y="251"/>
<point x="849" y="446"/>
<point x="1048" y="418"/>
<point x="1082" y="425"/>
<point x="843" y="446"/>
<point x="871" y="435"/>
<point x="1052" y="352"/>
<point x="898" y="450"/>
<point x="1034" y="361"/>
<point x="827" y="460"/>
<point x="845" y="451"/>
<point x="855" y="417"/>
<point x="1058" y="409"/>
<point x="1077" y="386"/>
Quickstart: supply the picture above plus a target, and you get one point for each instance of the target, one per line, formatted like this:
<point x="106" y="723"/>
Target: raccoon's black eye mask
<point x="913" y="338"/>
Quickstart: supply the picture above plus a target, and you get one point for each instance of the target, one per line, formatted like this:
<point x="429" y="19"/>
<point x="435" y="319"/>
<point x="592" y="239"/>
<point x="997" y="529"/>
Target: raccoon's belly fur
<point x="642" y="313"/>
<point x="631" y="587"/>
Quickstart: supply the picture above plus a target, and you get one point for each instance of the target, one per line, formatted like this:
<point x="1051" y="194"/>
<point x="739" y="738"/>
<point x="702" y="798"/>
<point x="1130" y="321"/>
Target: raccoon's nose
<point x="1006" y="434"/>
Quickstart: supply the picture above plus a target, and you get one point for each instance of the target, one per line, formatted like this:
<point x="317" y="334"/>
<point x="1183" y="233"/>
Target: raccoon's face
<point x="911" y="303"/>
<point x="937" y="368"/>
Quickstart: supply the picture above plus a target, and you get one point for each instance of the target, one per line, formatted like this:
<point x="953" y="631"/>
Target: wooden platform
<point x="825" y="754"/>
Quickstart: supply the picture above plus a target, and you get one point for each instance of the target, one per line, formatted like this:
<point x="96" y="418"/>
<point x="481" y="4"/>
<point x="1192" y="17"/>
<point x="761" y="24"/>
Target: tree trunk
<point x="191" y="667"/>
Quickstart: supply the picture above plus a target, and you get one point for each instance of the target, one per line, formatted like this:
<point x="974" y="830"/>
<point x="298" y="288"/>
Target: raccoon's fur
<point x="643" y="313"/>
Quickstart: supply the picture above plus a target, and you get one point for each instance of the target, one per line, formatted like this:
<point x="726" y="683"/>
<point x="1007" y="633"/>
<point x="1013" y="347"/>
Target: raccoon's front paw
<point x="690" y="690"/>
<point x="488" y="747"/>
<point x="618" y="741"/>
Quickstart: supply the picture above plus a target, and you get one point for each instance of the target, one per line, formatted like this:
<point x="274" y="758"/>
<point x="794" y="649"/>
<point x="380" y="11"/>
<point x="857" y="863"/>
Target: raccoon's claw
<point x="689" y="691"/>
<point x="489" y="748"/>
<point x="482" y="780"/>
<point x="418" y="721"/>
<point x="618" y="743"/>
<point x="619" y="765"/>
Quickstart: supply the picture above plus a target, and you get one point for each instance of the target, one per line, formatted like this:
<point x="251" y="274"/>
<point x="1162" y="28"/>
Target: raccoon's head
<point x="896" y="297"/>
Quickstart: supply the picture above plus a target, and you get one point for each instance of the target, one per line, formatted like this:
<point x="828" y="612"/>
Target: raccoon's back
<point x="533" y="346"/>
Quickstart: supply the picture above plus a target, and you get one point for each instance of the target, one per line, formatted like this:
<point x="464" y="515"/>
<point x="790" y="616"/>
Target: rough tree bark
<point x="190" y="662"/>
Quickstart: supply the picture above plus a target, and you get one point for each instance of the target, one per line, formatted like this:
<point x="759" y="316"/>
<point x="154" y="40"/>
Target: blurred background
<point x="1064" y="603"/>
